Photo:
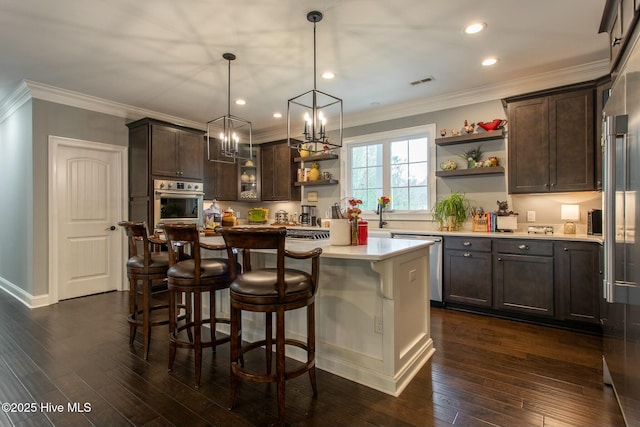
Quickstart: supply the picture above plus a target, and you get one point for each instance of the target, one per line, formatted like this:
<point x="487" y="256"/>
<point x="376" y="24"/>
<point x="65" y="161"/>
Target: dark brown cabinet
<point x="577" y="281"/>
<point x="618" y="20"/>
<point x="278" y="172"/>
<point x="220" y="179"/>
<point x="551" y="140"/>
<point x="176" y="153"/>
<point x="160" y="150"/>
<point x="467" y="271"/>
<point x="523" y="277"/>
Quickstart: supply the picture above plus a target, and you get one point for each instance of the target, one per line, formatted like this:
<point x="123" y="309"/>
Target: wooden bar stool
<point x="188" y="280"/>
<point x="269" y="291"/>
<point x="146" y="267"/>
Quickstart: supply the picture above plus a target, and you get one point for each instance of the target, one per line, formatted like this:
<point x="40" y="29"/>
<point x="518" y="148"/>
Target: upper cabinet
<point x="278" y="172"/>
<point x="220" y="178"/>
<point x="618" y="19"/>
<point x="551" y="140"/>
<point x="173" y="151"/>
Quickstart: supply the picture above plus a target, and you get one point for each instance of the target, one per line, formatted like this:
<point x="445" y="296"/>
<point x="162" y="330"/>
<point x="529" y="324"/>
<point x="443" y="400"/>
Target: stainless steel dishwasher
<point x="435" y="262"/>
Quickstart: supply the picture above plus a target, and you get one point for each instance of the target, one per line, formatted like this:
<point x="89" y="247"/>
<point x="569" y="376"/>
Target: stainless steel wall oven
<point x="177" y="201"/>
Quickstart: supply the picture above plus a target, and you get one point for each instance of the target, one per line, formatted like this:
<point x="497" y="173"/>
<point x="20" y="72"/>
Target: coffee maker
<point x="308" y="215"/>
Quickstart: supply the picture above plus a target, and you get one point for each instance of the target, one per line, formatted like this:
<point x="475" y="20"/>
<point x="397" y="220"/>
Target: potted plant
<point x="451" y="212"/>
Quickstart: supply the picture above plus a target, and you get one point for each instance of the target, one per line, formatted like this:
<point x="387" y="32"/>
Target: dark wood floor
<point x="485" y="372"/>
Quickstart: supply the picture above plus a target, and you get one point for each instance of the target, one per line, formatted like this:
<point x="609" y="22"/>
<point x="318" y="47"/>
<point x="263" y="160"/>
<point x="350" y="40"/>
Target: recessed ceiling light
<point x="240" y="102"/>
<point x="474" y="28"/>
<point x="328" y="75"/>
<point x="277" y="115"/>
<point x="489" y="61"/>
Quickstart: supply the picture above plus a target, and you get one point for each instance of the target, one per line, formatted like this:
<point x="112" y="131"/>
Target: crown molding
<point x="547" y="80"/>
<point x="28" y="89"/>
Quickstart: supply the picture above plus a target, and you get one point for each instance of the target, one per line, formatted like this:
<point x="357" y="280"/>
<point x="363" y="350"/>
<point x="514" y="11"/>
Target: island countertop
<point x="377" y="249"/>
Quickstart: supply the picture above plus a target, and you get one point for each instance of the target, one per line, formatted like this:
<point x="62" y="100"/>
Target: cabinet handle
<point x="466" y="254"/>
<point x="565" y="249"/>
<point x="467" y="243"/>
<point x="616" y="41"/>
<point x="553" y="184"/>
<point x="523" y="247"/>
<point x="546" y="185"/>
<point x="499" y="258"/>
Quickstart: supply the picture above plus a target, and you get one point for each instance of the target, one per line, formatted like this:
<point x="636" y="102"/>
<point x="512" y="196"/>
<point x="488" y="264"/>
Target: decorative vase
<point x="354" y="231"/>
<point x="314" y="173"/>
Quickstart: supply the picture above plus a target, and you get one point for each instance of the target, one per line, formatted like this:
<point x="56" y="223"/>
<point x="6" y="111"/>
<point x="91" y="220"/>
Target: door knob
<point x="112" y="228"/>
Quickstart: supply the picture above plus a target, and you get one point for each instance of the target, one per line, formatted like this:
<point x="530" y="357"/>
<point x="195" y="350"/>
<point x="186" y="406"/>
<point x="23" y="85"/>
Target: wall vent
<point x="419" y="82"/>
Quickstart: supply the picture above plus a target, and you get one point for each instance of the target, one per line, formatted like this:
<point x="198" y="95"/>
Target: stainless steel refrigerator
<point x="621" y="215"/>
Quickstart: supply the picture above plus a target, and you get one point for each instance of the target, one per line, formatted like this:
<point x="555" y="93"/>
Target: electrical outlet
<point x="377" y="324"/>
<point x="531" y="216"/>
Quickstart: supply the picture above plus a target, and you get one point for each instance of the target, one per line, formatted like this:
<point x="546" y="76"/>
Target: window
<point x="396" y="164"/>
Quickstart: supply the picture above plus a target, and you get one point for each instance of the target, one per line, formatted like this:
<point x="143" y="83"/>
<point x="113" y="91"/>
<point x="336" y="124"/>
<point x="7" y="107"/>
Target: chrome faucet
<point x="381" y="223"/>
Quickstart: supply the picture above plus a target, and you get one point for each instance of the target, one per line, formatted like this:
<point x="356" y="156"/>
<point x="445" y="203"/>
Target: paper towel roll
<point x="340" y="232"/>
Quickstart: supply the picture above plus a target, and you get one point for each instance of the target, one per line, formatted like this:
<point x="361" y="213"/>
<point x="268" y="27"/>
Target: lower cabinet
<point x="523" y="277"/>
<point x="556" y="282"/>
<point x="577" y="270"/>
<point x="467" y="271"/>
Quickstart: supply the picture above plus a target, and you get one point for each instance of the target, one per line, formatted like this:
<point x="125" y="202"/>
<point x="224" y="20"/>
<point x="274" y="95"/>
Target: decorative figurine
<point x="468" y="128"/>
<point x="443" y="132"/>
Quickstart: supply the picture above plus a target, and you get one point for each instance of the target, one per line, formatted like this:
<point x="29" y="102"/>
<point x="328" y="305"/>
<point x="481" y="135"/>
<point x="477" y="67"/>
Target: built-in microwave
<point x="177" y="202"/>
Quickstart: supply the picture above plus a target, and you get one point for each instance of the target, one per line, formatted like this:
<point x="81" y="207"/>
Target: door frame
<point x="121" y="173"/>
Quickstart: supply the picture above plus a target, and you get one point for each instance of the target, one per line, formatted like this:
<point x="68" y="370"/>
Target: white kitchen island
<point x="372" y="310"/>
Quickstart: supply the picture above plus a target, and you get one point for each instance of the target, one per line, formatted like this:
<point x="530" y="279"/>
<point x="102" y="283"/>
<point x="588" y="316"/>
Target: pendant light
<point x="314" y="119"/>
<point x="228" y="137"/>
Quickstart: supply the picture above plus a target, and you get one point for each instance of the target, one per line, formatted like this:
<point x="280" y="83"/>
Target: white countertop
<point x="377" y="249"/>
<point x="503" y="235"/>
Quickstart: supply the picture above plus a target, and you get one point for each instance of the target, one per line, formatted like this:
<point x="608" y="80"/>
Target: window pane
<point x="399" y="152"/>
<point x="419" y="150"/>
<point x="418" y="198"/>
<point x="418" y="173"/>
<point x="374" y="155"/>
<point x="399" y="176"/>
<point x="400" y="198"/>
<point x="359" y="157"/>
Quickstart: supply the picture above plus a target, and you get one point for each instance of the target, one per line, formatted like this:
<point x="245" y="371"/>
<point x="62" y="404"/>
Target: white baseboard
<point x="23" y="296"/>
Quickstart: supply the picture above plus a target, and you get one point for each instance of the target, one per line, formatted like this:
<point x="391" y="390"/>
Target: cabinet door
<point x="467" y="277"/>
<point x="529" y="146"/>
<point x="164" y="151"/>
<point x="571" y="130"/>
<point x="220" y="179"/>
<point x="267" y="162"/>
<point x="282" y="171"/>
<point x="524" y="283"/>
<point x="577" y="281"/>
<point x="190" y="146"/>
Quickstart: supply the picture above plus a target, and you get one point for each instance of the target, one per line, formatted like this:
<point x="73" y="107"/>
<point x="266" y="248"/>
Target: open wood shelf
<point x="494" y="170"/>
<point x="319" y="182"/>
<point x="316" y="158"/>
<point x="472" y="137"/>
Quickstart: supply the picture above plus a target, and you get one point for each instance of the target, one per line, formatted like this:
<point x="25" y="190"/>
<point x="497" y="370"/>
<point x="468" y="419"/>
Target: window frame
<point x="428" y="131"/>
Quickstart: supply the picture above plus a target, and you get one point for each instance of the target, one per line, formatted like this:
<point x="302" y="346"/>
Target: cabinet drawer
<point x="468" y="243"/>
<point x="525" y="247"/>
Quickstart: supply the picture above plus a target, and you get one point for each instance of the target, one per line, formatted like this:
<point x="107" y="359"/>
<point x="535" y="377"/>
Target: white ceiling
<point x="166" y="55"/>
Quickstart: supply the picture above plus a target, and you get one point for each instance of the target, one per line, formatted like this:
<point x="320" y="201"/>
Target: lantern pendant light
<point x="314" y="119"/>
<point x="229" y="137"/>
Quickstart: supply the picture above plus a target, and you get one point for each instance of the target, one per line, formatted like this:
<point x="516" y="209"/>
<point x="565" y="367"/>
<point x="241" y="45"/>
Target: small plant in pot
<point x="451" y="212"/>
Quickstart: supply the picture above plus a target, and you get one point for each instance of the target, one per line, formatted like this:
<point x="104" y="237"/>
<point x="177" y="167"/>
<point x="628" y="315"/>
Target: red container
<point x="363" y="232"/>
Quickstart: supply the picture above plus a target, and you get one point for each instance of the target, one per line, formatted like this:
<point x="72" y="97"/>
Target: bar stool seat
<point x="270" y="291"/>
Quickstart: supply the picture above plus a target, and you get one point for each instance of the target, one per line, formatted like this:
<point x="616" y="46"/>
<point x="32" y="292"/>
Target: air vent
<point x="419" y="82"/>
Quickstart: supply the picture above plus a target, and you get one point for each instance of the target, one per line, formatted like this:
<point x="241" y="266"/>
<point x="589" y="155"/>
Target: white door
<point x="86" y="203"/>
